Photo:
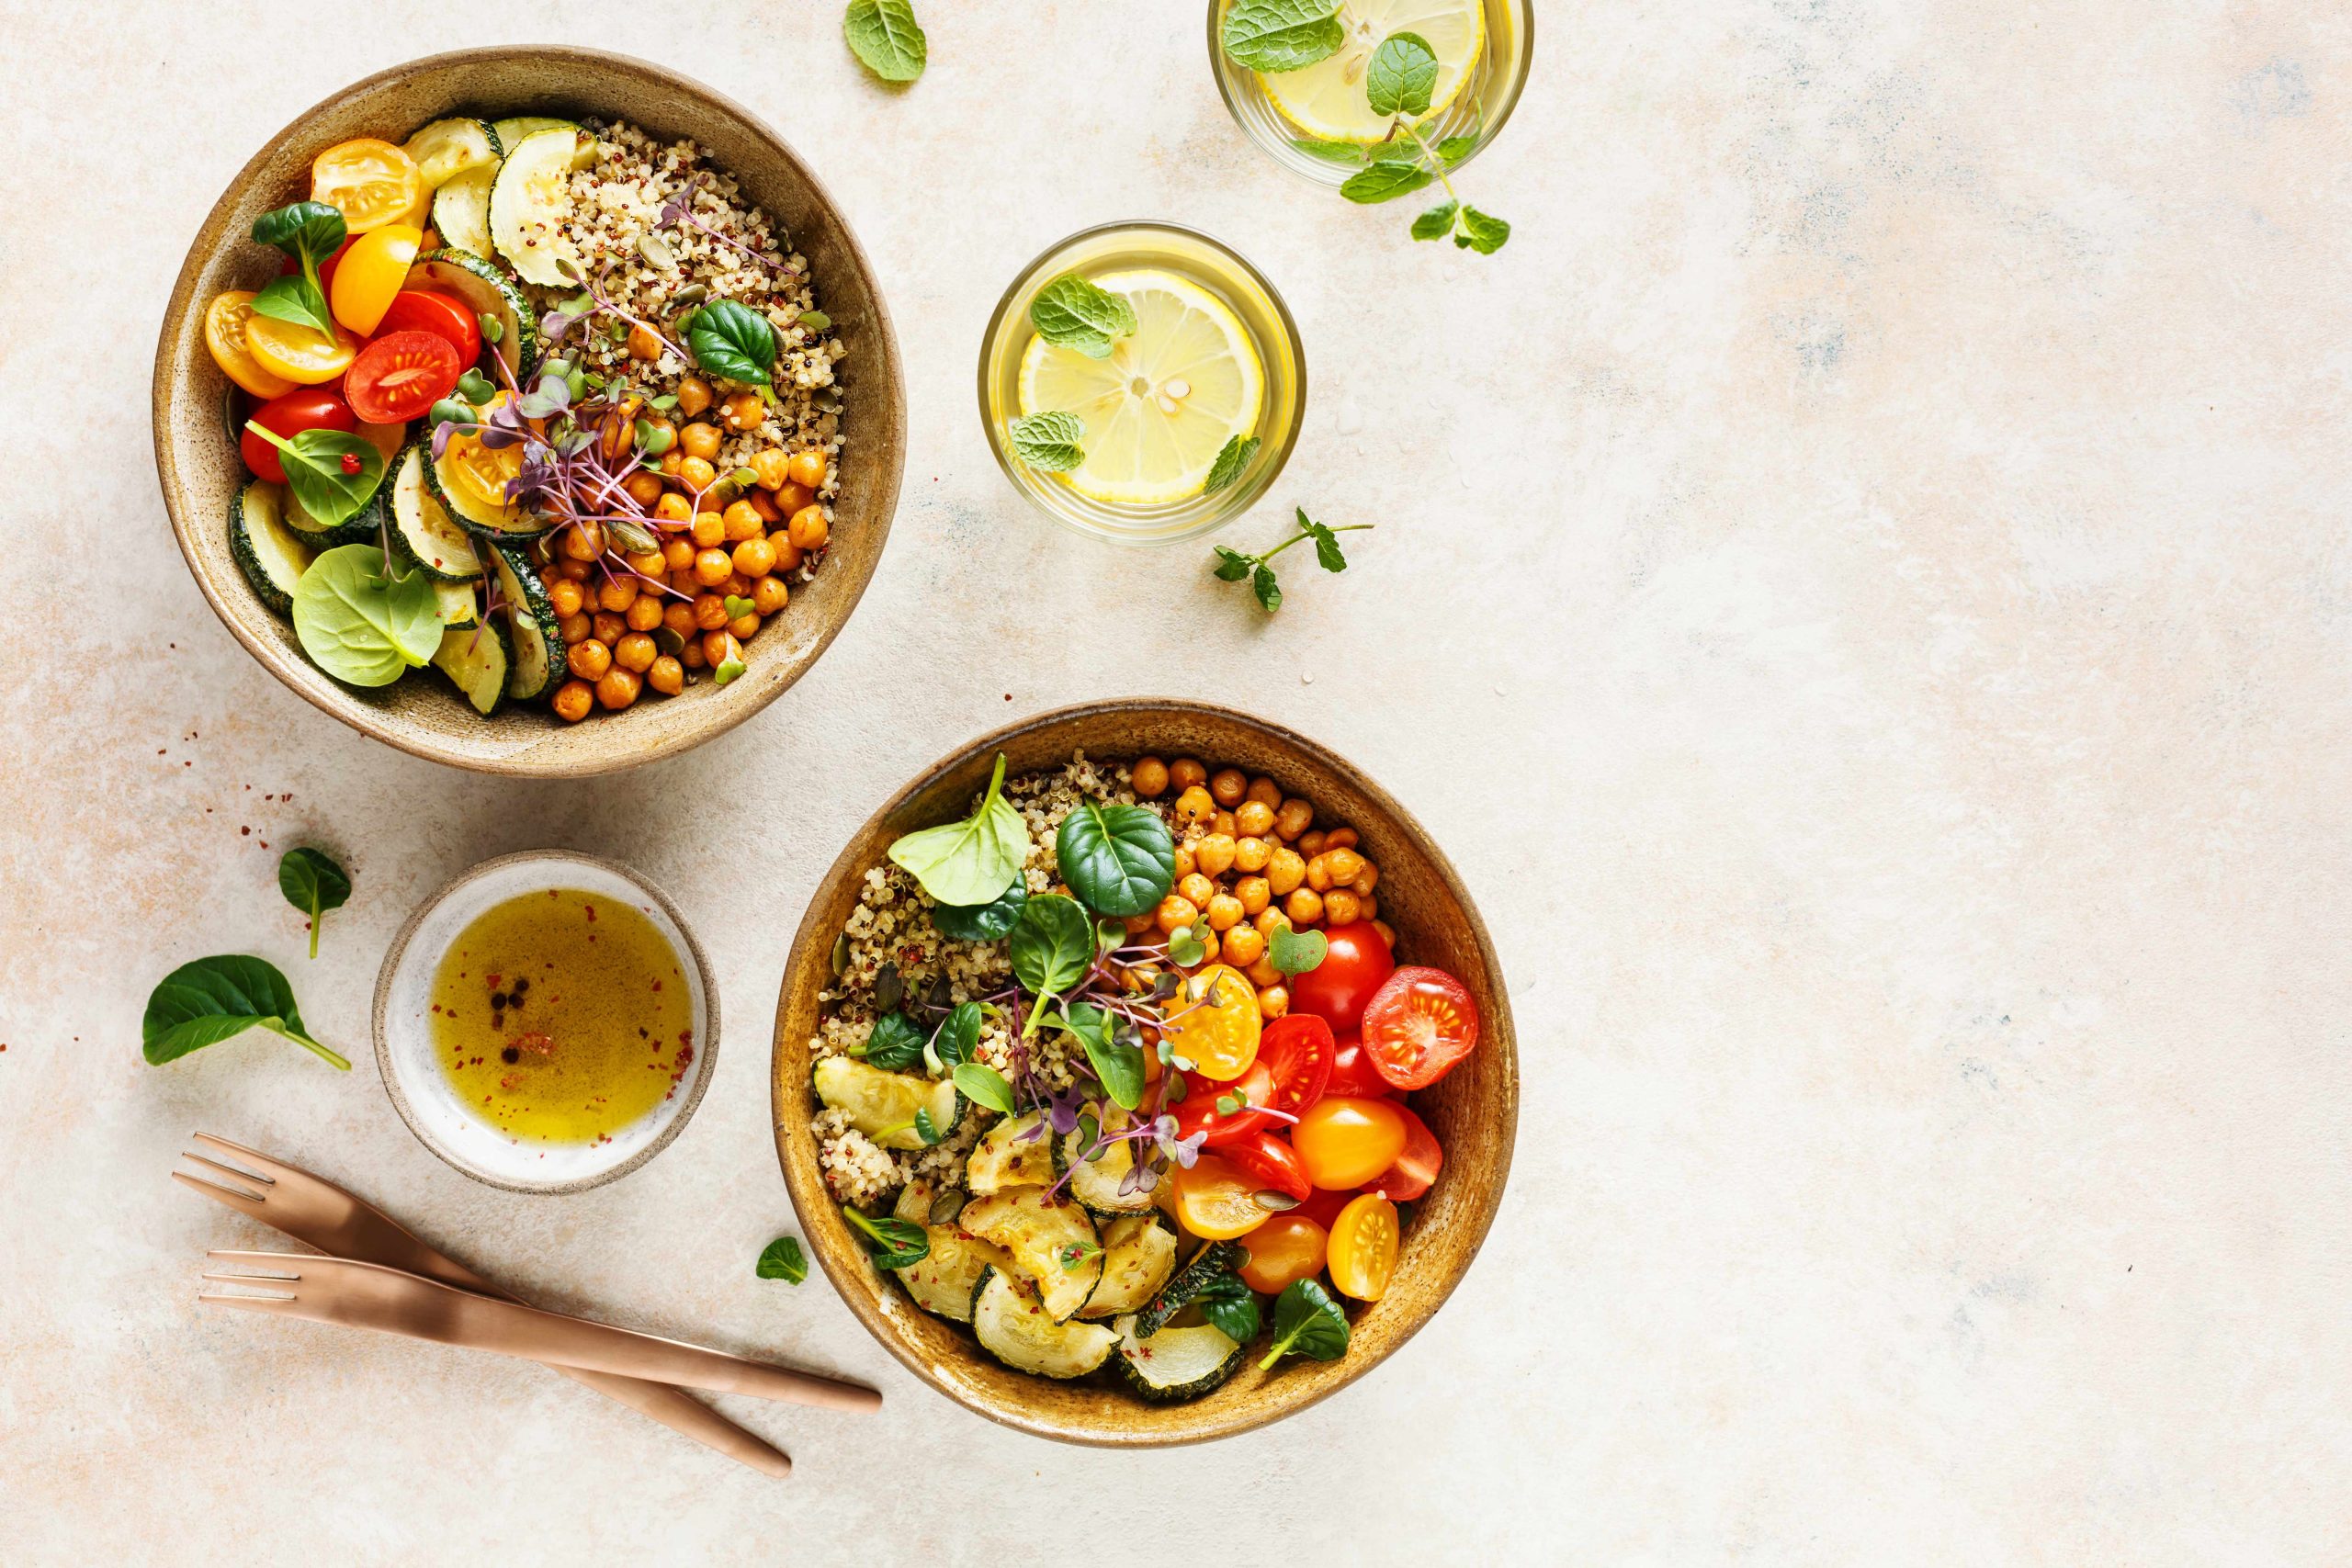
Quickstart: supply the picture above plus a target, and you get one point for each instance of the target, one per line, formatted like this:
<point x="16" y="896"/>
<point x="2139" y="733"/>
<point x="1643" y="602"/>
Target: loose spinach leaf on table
<point x="991" y="921"/>
<point x="314" y="884"/>
<point x="895" y="1243"/>
<point x="1307" y="1322"/>
<point x="783" y="1260"/>
<point x="360" y="625"/>
<point x="1052" y="946"/>
<point x="971" y="861"/>
<point x="1282" y="35"/>
<point x="212" y="999"/>
<point x="895" y="1045"/>
<point x="983" y="1085"/>
<point x="886" y="38"/>
<point x="732" y="339"/>
<point x="333" y="474"/>
<point x="1121" y="860"/>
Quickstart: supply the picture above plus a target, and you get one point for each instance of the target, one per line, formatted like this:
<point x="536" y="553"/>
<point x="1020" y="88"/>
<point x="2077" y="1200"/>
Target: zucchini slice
<point x="511" y="131"/>
<point x="274" y="557"/>
<point x="461" y="209"/>
<point x="1217" y="1257"/>
<point x="359" y="528"/>
<point x="1015" y="1329"/>
<point x="1096" y="1182"/>
<point x="530" y="204"/>
<point x="459" y="609"/>
<point x="512" y="520"/>
<point x="1052" y="1244"/>
<point x="1176" y="1363"/>
<point x="490" y="294"/>
<point x="449" y="147"/>
<point x="538" y="660"/>
<point x="883" y="1105"/>
<point x="944" y="1282"/>
<point x="476" y="659"/>
<point x="1138" y="1257"/>
<point x="422" y="529"/>
<point x="1004" y="1158"/>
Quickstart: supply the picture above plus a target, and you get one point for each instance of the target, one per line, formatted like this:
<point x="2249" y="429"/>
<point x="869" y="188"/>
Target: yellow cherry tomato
<point x="1216" y="1201"/>
<point x="1284" y="1250"/>
<point x="299" y="352"/>
<point x="1364" y="1248"/>
<point x="1213" y="1021"/>
<point x="372" y="183"/>
<point x="1345" y="1143"/>
<point x="371" y="274"/>
<point x="225" y="321"/>
<point x="484" y="472"/>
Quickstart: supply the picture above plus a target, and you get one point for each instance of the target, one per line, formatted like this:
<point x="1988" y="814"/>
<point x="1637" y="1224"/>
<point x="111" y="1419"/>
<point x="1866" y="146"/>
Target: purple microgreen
<point x="680" y="210"/>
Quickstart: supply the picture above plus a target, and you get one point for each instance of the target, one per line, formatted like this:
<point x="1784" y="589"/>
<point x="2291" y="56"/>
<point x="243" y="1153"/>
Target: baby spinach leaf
<point x="953" y="1041"/>
<point x="212" y="999"/>
<point x="894" y="1243"/>
<point x="783" y="1260"/>
<point x="1307" y="1322"/>
<point x="1282" y="35"/>
<point x="1053" y="441"/>
<point x="971" y="861"/>
<point x="884" y="36"/>
<point x="1297" y="952"/>
<point x="925" y="1128"/>
<point x="1231" y="459"/>
<point x="1053" y="945"/>
<point x="732" y="339"/>
<point x="310" y="231"/>
<point x="1386" y="180"/>
<point x="296" y="298"/>
<point x="983" y="1085"/>
<point x="895" y="1045"/>
<point x="1070" y="312"/>
<point x="1119" y="859"/>
<point x="1228" y="1302"/>
<point x="312" y="883"/>
<point x="1402" y="74"/>
<point x="333" y="475"/>
<point x="1481" y="234"/>
<point x="361" y="625"/>
<point x="1118" y="1063"/>
<point x="991" y="921"/>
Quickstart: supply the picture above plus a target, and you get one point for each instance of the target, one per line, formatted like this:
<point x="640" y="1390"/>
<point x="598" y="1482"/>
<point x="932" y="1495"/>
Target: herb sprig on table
<point x="887" y="38"/>
<point x="1233" y="566"/>
<point x="783" y="1260"/>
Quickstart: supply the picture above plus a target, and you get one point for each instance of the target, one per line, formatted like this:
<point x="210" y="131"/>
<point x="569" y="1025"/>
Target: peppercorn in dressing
<point x="561" y="1017"/>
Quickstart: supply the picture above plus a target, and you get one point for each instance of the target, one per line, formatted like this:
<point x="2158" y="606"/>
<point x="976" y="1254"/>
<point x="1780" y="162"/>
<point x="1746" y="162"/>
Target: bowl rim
<point x="814" y="1205"/>
<point x="705" y="1049"/>
<point x="334" y="700"/>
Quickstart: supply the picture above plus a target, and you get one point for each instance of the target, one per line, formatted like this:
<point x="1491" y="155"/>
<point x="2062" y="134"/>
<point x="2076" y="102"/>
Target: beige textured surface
<point x="1860" y="595"/>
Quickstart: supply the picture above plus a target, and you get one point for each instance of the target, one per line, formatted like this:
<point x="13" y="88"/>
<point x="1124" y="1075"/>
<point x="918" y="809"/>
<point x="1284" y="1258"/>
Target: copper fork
<point x="315" y="1211"/>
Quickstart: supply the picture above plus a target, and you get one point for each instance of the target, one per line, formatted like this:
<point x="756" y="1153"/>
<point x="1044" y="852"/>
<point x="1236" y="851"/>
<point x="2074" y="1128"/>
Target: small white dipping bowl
<point x="422" y="1093"/>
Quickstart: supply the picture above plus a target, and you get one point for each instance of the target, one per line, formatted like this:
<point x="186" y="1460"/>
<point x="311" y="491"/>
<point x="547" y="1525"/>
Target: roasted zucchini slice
<point x="1016" y="1329"/>
<point x="1007" y="1156"/>
<point x="1176" y="1364"/>
<point x="883" y="1105"/>
<point x="1052" y="1241"/>
<point x="272" y="556"/>
<point x="1138" y="1257"/>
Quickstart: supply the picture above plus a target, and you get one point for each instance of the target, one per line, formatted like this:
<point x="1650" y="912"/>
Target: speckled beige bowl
<point x="422" y="714"/>
<point x="1474" y="1109"/>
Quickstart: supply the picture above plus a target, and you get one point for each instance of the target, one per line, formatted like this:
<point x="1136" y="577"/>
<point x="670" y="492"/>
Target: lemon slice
<point x="1169" y="395"/>
<point x="1326" y="100"/>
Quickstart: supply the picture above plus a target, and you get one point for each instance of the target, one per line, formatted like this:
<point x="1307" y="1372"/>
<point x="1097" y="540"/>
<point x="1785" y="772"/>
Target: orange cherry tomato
<point x="372" y="183"/>
<point x="1216" y="1201"/>
<point x="1417" y="1025"/>
<point x="1282" y="1251"/>
<point x="1362" y="1249"/>
<point x="1346" y="1142"/>
<point x="1213" y="1021"/>
<point x="369" y="278"/>
<point x="1415" y="1167"/>
<point x="300" y="354"/>
<point x="226" y="321"/>
<point x="484" y="472"/>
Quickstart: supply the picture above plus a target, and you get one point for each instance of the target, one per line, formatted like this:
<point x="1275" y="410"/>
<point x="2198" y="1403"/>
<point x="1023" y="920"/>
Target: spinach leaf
<point x="783" y="1260"/>
<point x="1054" y="442"/>
<point x="1117" y="1061"/>
<point x="312" y="883"/>
<point x="983" y="1085"/>
<point x="310" y="231"/>
<point x="299" y="298"/>
<point x="333" y="475"/>
<point x="991" y="921"/>
<point x="957" y="1038"/>
<point x="1053" y="945"/>
<point x="1386" y="180"/>
<point x="884" y="36"/>
<point x="1402" y="74"/>
<point x="360" y="625"/>
<point x="1120" y="859"/>
<point x="1297" y="952"/>
<point x="895" y="1045"/>
<point x="895" y="1243"/>
<point x="732" y="339"/>
<point x="1307" y="1322"/>
<point x="1282" y="35"/>
<point x="213" y="1000"/>
<point x="1070" y="312"/>
<point x="925" y="1128"/>
<point x="1231" y="459"/>
<point x="1228" y="1302"/>
<point x="973" y="861"/>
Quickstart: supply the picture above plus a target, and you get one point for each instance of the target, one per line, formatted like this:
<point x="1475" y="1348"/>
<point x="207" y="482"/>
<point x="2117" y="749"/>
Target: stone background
<point x="1859" y="593"/>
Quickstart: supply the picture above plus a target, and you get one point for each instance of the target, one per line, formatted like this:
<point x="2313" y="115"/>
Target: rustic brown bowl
<point x="197" y="461"/>
<point x="1474" y="1109"/>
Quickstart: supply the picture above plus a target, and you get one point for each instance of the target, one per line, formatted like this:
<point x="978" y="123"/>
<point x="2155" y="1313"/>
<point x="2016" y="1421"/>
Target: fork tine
<point x="231" y="1171"/>
<point x="260" y="1280"/>
<point x="287" y="1263"/>
<point x="281" y="1305"/>
<point x="270" y="1170"/>
<point x="235" y="1198"/>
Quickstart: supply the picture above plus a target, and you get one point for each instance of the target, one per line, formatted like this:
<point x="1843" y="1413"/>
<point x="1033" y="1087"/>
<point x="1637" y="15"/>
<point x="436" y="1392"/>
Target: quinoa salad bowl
<point x="530" y="409"/>
<point x="1143" y="1073"/>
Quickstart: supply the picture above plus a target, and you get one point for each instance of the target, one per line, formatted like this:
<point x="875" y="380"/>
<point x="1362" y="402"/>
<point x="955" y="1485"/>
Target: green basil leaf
<point x="312" y="883"/>
<point x="1053" y="441"/>
<point x="971" y="861"/>
<point x="212" y="999"/>
<point x="1121" y="860"/>
<point x="1231" y="458"/>
<point x="783" y="1260"/>
<point x="895" y="1045"/>
<point x="1436" y="222"/>
<point x="886" y="38"/>
<point x="1268" y="592"/>
<point x="1282" y="35"/>
<point x="311" y="227"/>
<point x="1307" y="1322"/>
<point x="1385" y="181"/>
<point x="1070" y="312"/>
<point x="296" y="299"/>
<point x="733" y="341"/>
<point x="360" y="625"/>
<point x="1232" y="566"/>
<point x="1482" y="233"/>
<point x="1118" y="1064"/>
<point x="983" y="1085"/>
<point x="991" y="921"/>
<point x="1297" y="952"/>
<point x="1052" y="945"/>
<point x="1402" y="76"/>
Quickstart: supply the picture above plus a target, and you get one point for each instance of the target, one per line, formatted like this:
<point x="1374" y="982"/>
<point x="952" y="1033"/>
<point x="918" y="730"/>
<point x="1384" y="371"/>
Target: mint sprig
<point x="1070" y="312"/>
<point x="1053" y="442"/>
<point x="1234" y="566"/>
<point x="1400" y="83"/>
<point x="1231" y="459"/>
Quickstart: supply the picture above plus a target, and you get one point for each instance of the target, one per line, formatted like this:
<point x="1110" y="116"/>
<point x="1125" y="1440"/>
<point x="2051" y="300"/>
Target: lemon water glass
<point x="1489" y="87"/>
<point x="1245" y="307"/>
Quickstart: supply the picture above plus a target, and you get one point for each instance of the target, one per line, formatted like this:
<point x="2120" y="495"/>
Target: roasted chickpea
<point x="1224" y="911"/>
<point x="1294" y="816"/>
<point x="743" y="523"/>
<point x="1367" y="879"/>
<point x="1310" y="844"/>
<point x="1243" y="945"/>
<point x="645" y="615"/>
<point x="575" y="571"/>
<point x="744" y="410"/>
<point x="1221" y="822"/>
<point x="616" y="595"/>
<point x="634" y="651"/>
<point x="743" y="627"/>
<point x="1215" y="854"/>
<point x="646" y="563"/>
<point x="1251" y="854"/>
<point x="1344" y="864"/>
<point x="643" y="344"/>
<point x="607" y="628"/>
<point x="1262" y="972"/>
<point x="667" y="676"/>
<point x="1284" y="871"/>
<point x="769" y="594"/>
<point x="696" y="473"/>
<point x="1265" y="792"/>
<point x="1211" y="948"/>
<point x="1183" y="862"/>
<point x="1136" y="925"/>
<point x="618" y="688"/>
<point x="761" y="503"/>
<point x="709" y="531"/>
<point x="1388" y="933"/>
<point x="691" y="656"/>
<point x="1273" y="1001"/>
<point x="1229" y="785"/>
<point x="583" y="541"/>
<point x="808" y="468"/>
<point x="589" y="659"/>
<point x="1268" y="920"/>
<point x="1148" y="777"/>
<point x="1318" y="874"/>
<point x="712" y="567"/>
<point x="678" y="552"/>
<point x="754" y="558"/>
<point x="694" y="395"/>
<point x="678" y="615"/>
<point x="1254" y="893"/>
<point x="787" y="553"/>
<point x="1186" y="771"/>
<point x="1305" y="906"/>
<point x="683" y="582"/>
<point x="808" y="528"/>
<point x="670" y="461"/>
<point x="710" y="612"/>
<point x="1340" y="906"/>
<point x="1340" y="839"/>
<point x="1254" y="819"/>
<point x="1196" y="889"/>
<point x="1368" y="909"/>
<point x="773" y="467"/>
<point x="572" y="700"/>
<point x="673" y="508"/>
<point x="575" y="628"/>
<point x="791" y="498"/>
<point x="643" y="487"/>
<point x="566" y="596"/>
<point x="1193" y="807"/>
<point x="737" y="584"/>
<point x="1175" y="912"/>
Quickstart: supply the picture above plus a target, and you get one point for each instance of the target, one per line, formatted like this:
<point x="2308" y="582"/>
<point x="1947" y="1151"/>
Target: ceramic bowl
<point x="1474" y="1109"/>
<point x="405" y="1036"/>
<point x="198" y="462"/>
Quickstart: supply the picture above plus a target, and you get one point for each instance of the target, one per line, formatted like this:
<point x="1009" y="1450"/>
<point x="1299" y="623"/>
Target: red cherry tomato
<point x="1337" y="989"/>
<point x="1352" y="1074"/>
<point x="1418" y="1025"/>
<point x="398" y="375"/>
<point x="1323" y="1205"/>
<point x="1415" y="1167"/>
<point x="1271" y="1162"/>
<point x="290" y="267"/>
<point x="289" y="414"/>
<point x="1197" y="1111"/>
<point x="422" y="310"/>
<point x="1297" y="1051"/>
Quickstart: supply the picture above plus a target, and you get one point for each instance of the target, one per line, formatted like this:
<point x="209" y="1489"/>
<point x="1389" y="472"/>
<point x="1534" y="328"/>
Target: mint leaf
<point x="886" y="38"/>
<point x="1481" y="234"/>
<point x="1232" y="566"/>
<point x="1402" y="76"/>
<point x="1436" y="222"/>
<point x="1327" y="547"/>
<point x="1268" y="593"/>
<point x="1230" y="460"/>
<point x="1049" y="440"/>
<point x="1070" y="312"/>
<point x="1385" y="181"/>
<point x="1338" y="152"/>
<point x="1282" y="35"/>
<point x="1453" y="149"/>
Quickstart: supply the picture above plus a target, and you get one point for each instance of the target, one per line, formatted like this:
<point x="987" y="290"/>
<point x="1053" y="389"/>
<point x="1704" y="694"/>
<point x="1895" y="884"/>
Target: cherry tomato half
<point x="1362" y="1249"/>
<point x="1346" y="1142"/>
<point x="1297" y="1051"/>
<point x="303" y="355"/>
<point x="373" y="183"/>
<point x="1216" y="1201"/>
<point x="1213" y="1019"/>
<point x="225" y="323"/>
<point x="1353" y="1074"/>
<point x="1282" y="1251"/>
<point x="1271" y="1163"/>
<point x="1421" y="1022"/>
<point x="400" y="375"/>
<point x="1198" y="1112"/>
<point x="1353" y="969"/>
<point x="289" y="414"/>
<point x="1415" y="1167"/>
<point x="423" y="311"/>
<point x="373" y="268"/>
